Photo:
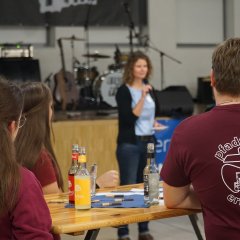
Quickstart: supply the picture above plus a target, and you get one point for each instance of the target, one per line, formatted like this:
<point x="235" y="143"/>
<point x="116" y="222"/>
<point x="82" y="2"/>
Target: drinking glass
<point x="93" y="176"/>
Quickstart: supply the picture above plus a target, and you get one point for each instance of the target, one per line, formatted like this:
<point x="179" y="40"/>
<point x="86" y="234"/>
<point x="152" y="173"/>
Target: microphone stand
<point x="162" y="54"/>
<point x="132" y="32"/>
<point x="73" y="56"/>
<point x="87" y="33"/>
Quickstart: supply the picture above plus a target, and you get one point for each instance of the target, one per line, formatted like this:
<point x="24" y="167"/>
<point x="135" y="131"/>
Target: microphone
<point x="145" y="81"/>
<point x="117" y="51"/>
<point x="59" y="41"/>
<point x="146" y="42"/>
<point x="48" y="80"/>
<point x="126" y="6"/>
<point x="117" y="54"/>
<point x="76" y="62"/>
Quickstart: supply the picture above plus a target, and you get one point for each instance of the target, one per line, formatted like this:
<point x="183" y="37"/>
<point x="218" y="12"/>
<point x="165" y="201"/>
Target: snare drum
<point x="106" y="86"/>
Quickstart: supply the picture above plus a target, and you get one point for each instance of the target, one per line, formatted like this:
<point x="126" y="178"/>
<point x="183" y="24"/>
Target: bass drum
<point x="106" y="86"/>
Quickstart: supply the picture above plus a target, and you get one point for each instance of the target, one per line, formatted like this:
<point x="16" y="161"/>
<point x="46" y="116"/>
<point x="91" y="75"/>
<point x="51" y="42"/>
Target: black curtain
<point x="104" y="13"/>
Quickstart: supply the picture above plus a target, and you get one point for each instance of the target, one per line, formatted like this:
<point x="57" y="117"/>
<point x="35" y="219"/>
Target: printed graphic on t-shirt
<point x="229" y="154"/>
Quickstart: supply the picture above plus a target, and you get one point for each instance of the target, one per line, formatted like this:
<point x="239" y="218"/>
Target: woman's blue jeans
<point x="132" y="159"/>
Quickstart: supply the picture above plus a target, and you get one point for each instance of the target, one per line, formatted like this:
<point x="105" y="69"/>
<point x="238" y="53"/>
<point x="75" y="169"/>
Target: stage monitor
<point x="20" y="69"/>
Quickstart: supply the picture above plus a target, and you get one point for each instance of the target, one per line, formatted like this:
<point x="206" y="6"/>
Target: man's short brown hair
<point x="226" y="67"/>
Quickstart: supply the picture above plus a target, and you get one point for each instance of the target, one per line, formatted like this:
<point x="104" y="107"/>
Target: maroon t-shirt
<point x="205" y="151"/>
<point x="30" y="219"/>
<point x="44" y="169"/>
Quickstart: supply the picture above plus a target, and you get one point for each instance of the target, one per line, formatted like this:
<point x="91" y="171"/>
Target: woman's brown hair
<point x="35" y="135"/>
<point x="11" y="103"/>
<point x="128" y="70"/>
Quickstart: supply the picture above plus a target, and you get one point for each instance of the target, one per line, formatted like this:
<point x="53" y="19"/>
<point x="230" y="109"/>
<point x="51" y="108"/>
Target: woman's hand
<point x="139" y="106"/>
<point x="145" y="90"/>
<point x="108" y="179"/>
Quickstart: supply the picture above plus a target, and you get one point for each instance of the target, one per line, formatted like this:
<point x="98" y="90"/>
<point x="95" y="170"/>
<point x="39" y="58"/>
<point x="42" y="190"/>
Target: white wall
<point x="196" y="61"/>
<point x="101" y="40"/>
<point x="236" y="19"/>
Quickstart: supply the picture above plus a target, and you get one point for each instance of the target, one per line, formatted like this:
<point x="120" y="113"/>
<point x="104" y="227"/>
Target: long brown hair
<point x="11" y="103"/>
<point x="128" y="70"/>
<point x="35" y="135"/>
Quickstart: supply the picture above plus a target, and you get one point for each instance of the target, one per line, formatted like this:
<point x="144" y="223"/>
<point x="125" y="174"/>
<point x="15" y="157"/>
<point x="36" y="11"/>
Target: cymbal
<point x="73" y="38"/>
<point x="96" y="55"/>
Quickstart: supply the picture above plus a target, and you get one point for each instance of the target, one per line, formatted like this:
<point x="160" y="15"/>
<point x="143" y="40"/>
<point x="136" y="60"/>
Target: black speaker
<point x="20" y="69"/>
<point x="174" y="101"/>
<point x="204" y="91"/>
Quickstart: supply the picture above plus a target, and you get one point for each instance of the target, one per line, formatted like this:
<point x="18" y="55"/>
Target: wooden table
<point x="71" y="221"/>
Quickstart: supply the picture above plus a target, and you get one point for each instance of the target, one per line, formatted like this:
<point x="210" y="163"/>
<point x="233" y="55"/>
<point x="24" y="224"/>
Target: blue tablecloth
<point x="128" y="201"/>
<point x="136" y="201"/>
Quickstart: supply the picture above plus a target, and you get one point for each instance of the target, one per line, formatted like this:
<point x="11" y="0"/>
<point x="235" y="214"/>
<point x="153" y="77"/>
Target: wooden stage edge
<point x="98" y="135"/>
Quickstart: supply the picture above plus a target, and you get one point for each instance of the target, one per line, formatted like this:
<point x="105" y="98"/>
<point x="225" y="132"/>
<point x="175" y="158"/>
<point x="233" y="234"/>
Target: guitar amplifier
<point x="16" y="50"/>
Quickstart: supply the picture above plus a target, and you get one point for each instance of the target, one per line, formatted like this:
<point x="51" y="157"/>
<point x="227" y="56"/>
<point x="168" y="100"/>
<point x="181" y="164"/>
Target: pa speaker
<point x="20" y="69"/>
<point x="174" y="101"/>
<point x="204" y="91"/>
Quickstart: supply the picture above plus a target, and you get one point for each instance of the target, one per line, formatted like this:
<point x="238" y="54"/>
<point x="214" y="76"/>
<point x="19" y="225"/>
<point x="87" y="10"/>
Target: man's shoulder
<point x="194" y="121"/>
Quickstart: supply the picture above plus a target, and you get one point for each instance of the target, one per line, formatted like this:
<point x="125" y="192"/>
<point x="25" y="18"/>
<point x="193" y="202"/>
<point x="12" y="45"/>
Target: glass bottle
<point x="72" y="171"/>
<point x="151" y="177"/>
<point x="82" y="183"/>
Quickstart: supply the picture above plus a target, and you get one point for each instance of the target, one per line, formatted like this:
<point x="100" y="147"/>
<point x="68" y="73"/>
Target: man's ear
<point x="212" y="78"/>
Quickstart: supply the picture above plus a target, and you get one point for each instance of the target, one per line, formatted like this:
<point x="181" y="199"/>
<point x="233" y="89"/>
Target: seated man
<point x="202" y="168"/>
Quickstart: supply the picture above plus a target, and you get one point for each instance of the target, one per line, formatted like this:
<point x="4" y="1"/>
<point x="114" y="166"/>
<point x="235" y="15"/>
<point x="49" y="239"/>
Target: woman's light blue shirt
<point x="144" y="124"/>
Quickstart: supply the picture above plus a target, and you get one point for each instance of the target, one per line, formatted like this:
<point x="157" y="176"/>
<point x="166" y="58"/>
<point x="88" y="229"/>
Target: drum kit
<point x="95" y="89"/>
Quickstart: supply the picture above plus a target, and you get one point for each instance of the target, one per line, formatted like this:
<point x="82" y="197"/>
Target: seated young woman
<point x="23" y="210"/>
<point x="33" y="144"/>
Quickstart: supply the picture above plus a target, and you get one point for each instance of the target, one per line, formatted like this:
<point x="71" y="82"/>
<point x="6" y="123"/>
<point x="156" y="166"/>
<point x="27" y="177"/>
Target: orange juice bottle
<point x="82" y="183"/>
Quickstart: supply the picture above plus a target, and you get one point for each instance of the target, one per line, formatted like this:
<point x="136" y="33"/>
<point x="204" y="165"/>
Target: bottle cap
<point x="75" y="147"/>
<point x="82" y="158"/>
<point x="150" y="147"/>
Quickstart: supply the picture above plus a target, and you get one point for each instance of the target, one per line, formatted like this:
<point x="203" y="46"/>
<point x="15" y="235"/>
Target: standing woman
<point x="136" y="109"/>
<point x="23" y="210"/>
<point x="33" y="143"/>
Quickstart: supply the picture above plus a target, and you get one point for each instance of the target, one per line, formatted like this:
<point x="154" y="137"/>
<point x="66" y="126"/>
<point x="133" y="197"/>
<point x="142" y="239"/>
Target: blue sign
<point x="163" y="138"/>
